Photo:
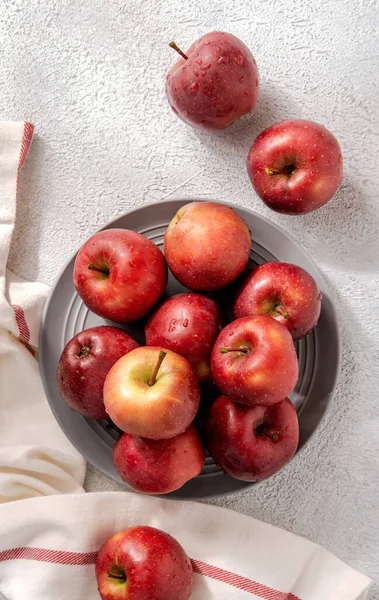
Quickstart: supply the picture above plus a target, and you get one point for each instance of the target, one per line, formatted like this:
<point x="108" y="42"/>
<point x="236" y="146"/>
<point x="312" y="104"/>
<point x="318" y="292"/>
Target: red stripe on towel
<point x="26" y="141"/>
<point x="21" y="323"/>
<point x="240" y="582"/>
<point x="61" y="557"/>
<point x="58" y="557"/>
<point x="25" y="145"/>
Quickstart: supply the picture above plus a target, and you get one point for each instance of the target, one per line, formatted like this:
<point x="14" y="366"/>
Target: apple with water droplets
<point x="207" y="245"/>
<point x="152" y="392"/>
<point x="120" y="274"/>
<point x="254" y="361"/>
<point x="159" y="466"/>
<point x="251" y="443"/>
<point x="84" y="364"/>
<point x="143" y="563"/>
<point x="189" y="325"/>
<point x="214" y="82"/>
<point x="283" y="291"/>
<point x="295" y="166"/>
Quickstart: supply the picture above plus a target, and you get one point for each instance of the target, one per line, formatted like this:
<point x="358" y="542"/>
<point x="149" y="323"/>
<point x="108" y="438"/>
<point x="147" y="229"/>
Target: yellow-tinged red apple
<point x="207" y="245"/>
<point x="152" y="393"/>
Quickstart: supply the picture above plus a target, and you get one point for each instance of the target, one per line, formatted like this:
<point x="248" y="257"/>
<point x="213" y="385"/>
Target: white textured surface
<point x="90" y="75"/>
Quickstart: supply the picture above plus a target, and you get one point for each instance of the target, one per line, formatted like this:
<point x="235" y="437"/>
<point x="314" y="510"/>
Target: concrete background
<point x="91" y="78"/>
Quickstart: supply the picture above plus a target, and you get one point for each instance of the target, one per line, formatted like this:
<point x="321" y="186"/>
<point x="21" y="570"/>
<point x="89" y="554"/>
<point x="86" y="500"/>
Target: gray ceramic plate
<point x="65" y="315"/>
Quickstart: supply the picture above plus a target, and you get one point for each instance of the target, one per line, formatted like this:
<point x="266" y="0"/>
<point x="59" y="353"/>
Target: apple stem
<point x="287" y="170"/>
<point x="179" y="51"/>
<point x="242" y="349"/>
<point x="154" y="374"/>
<point x="272" y="434"/>
<point x="118" y="576"/>
<point x="281" y="312"/>
<point x="271" y="171"/>
<point x="103" y="271"/>
<point x="83" y="352"/>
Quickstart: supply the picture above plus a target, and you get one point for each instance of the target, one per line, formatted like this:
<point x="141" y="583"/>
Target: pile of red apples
<point x="156" y="395"/>
<point x="153" y="393"/>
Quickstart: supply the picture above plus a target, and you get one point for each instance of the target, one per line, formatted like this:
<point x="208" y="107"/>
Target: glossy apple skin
<point x="137" y="275"/>
<point x="207" y="245"/>
<point x="262" y="367"/>
<point x="217" y="84"/>
<point x="251" y="443"/>
<point x="159" y="466"/>
<point x="283" y="291"/>
<point x="307" y="150"/>
<point x="85" y="363"/>
<point x="189" y="325"/>
<point x="155" y="566"/>
<point x="160" y="411"/>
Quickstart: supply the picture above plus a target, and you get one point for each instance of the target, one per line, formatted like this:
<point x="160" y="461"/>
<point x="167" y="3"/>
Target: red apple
<point x="120" y="274"/>
<point x="295" y="166"/>
<point x="152" y="393"/>
<point x="214" y="83"/>
<point x="159" y="466"/>
<point x="254" y="361"/>
<point x="285" y="292"/>
<point x="251" y="443"/>
<point x="189" y="325"/>
<point x="207" y="245"/>
<point x="143" y="563"/>
<point x="84" y="365"/>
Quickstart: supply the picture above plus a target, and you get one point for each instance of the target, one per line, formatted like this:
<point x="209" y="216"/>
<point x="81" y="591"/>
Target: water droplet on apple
<point x="196" y="73"/>
<point x="193" y="88"/>
<point x="207" y="66"/>
<point x="223" y="60"/>
<point x="246" y="93"/>
<point x="239" y="60"/>
<point x="241" y="78"/>
<point x="185" y="323"/>
<point x="172" y="325"/>
<point x="199" y="61"/>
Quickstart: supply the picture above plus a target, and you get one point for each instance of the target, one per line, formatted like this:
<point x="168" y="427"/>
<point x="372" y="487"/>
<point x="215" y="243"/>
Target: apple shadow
<point x="272" y="107"/>
<point x="349" y="228"/>
<point x="25" y="245"/>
